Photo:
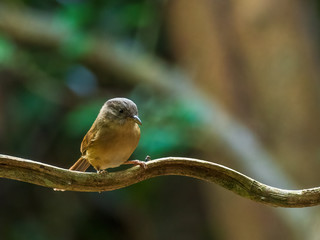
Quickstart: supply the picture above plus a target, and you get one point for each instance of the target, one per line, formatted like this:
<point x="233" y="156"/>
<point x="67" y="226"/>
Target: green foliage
<point x="135" y="15"/>
<point x="76" y="16"/>
<point x="6" y="50"/>
<point x="81" y="118"/>
<point x="76" y="45"/>
<point x="167" y="128"/>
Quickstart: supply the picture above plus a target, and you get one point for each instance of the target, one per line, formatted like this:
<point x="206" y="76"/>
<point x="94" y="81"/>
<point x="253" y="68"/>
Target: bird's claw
<point x="137" y="162"/>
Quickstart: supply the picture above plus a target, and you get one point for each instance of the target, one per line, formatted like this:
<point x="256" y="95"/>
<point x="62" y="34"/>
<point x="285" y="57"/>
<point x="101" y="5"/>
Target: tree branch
<point x="54" y="177"/>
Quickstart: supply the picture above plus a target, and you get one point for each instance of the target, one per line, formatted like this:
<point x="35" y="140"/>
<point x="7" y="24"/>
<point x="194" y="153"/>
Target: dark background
<point x="233" y="82"/>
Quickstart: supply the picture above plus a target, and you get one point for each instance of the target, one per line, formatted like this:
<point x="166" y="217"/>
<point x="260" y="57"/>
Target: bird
<point x="112" y="138"/>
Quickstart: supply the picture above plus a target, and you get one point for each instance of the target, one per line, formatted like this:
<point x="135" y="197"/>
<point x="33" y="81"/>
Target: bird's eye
<point x="121" y="110"/>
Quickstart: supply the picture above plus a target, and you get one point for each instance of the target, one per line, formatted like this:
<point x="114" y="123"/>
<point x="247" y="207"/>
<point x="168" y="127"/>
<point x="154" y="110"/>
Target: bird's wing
<point x="89" y="138"/>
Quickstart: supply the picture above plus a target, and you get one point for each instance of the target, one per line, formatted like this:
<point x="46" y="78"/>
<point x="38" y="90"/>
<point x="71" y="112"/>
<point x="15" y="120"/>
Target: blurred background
<point x="233" y="82"/>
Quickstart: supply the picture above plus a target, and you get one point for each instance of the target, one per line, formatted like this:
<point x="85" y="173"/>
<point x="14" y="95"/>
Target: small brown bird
<point x="112" y="138"/>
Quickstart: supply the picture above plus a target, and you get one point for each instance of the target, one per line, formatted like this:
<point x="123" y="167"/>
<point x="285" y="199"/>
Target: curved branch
<point x="54" y="177"/>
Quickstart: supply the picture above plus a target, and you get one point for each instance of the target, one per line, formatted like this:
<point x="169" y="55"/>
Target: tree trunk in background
<point x="257" y="59"/>
<point x="282" y="75"/>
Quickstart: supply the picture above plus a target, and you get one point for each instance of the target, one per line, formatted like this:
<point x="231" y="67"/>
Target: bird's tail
<point x="81" y="165"/>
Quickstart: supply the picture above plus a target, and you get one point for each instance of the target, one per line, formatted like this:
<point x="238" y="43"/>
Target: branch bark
<point x="53" y="177"/>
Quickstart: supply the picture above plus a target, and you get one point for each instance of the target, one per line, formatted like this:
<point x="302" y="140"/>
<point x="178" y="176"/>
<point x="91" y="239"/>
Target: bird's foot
<point x="137" y="162"/>
<point x="102" y="171"/>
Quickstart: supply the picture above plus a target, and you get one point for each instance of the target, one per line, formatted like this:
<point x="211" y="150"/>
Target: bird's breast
<point x="113" y="145"/>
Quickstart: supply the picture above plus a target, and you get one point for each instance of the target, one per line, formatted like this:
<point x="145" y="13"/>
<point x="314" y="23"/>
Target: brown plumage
<point x="81" y="165"/>
<point x="112" y="138"/>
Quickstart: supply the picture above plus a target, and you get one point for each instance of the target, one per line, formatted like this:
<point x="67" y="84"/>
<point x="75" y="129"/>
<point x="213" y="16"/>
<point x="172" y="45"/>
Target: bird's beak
<point x="137" y="119"/>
